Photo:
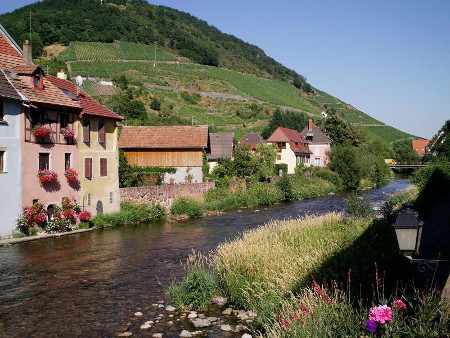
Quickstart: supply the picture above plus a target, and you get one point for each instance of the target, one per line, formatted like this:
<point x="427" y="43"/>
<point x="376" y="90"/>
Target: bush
<point x="357" y="206"/>
<point x="129" y="214"/>
<point x="187" y="206"/>
<point x="281" y="166"/>
<point x="265" y="194"/>
<point x="422" y="175"/>
<point x="345" y="161"/>
<point x="285" y="185"/>
<point x="328" y="175"/>
<point x="195" y="291"/>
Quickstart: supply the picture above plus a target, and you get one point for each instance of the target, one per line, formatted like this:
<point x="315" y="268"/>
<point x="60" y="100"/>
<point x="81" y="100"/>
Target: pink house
<point x="319" y="144"/>
<point x="44" y="105"/>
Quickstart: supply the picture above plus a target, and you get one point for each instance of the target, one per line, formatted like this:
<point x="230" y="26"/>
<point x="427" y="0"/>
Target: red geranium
<point x="85" y="215"/>
<point x="40" y="131"/>
<point x="71" y="175"/>
<point x="69" y="214"/>
<point x="47" y="176"/>
<point x="68" y="133"/>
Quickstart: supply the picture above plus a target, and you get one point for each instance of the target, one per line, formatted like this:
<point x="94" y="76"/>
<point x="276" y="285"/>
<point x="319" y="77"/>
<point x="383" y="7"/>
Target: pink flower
<point x="399" y="304"/>
<point x="380" y="314"/>
<point x="285" y="325"/>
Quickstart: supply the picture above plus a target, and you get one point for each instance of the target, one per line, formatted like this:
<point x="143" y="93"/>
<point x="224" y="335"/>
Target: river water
<point x="91" y="284"/>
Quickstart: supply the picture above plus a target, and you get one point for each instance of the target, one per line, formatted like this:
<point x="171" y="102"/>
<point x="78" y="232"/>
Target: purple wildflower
<point x="369" y="325"/>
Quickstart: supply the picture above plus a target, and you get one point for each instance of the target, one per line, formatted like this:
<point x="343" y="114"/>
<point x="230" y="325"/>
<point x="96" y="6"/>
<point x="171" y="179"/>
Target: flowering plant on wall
<point x="85" y="215"/>
<point x="40" y="131"/>
<point x="47" y="176"/>
<point x="68" y="133"/>
<point x="71" y="175"/>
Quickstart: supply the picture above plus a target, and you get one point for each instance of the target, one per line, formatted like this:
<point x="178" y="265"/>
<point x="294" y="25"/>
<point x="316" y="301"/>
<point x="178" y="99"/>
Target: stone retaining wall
<point x="164" y="194"/>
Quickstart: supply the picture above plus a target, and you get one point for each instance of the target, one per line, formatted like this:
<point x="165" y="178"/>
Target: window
<point x="111" y="198"/>
<point x="101" y="132"/>
<point x="88" y="168"/>
<point x="86" y="131"/>
<point x="103" y="167"/>
<point x="63" y="120"/>
<point x="67" y="161"/>
<point x="88" y="199"/>
<point x="44" y="161"/>
<point x="36" y="81"/>
<point x="317" y="151"/>
<point x="36" y="117"/>
<point x="281" y="145"/>
<point x="2" y="111"/>
<point x="2" y="161"/>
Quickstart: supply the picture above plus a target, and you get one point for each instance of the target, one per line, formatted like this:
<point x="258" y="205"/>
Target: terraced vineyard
<point x="113" y="51"/>
<point x="219" y="112"/>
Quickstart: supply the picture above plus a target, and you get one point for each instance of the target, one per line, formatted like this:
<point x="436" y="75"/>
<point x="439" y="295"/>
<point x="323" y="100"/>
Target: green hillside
<point x="198" y="74"/>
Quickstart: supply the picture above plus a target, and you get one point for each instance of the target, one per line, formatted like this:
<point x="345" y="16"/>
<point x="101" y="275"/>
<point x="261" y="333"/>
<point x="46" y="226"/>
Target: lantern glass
<point x="408" y="229"/>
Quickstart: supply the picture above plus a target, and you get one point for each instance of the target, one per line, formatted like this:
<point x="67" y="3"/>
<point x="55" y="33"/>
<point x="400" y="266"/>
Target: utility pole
<point x="154" y="63"/>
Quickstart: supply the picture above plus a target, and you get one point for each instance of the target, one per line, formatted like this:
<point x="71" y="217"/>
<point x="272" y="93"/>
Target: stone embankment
<point x="164" y="194"/>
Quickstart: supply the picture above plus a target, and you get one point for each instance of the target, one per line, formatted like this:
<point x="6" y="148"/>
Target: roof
<point x="149" y="137"/>
<point x="420" y="146"/>
<point x="10" y="52"/>
<point x="7" y="90"/>
<point x="251" y="139"/>
<point x="50" y="95"/>
<point x="297" y="142"/>
<point x="317" y="135"/>
<point x="221" y="145"/>
<point x="26" y="70"/>
<point x="88" y="104"/>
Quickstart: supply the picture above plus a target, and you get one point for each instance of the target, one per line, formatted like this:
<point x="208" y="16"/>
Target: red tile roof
<point x="26" y="70"/>
<point x="89" y="105"/>
<point x="164" y="137"/>
<point x="420" y="146"/>
<point x="9" y="56"/>
<point x="297" y="142"/>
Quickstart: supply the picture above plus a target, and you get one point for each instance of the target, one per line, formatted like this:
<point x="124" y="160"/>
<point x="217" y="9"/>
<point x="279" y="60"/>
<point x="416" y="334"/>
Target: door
<point x="99" y="207"/>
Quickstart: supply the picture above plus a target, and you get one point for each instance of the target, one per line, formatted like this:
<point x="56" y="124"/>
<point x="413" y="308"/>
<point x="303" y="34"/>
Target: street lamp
<point x="408" y="229"/>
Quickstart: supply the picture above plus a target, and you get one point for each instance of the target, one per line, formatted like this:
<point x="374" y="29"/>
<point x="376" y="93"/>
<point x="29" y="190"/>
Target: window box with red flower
<point x="40" y="132"/>
<point x="71" y="175"/>
<point x="47" y="176"/>
<point x="68" y="134"/>
<point x="69" y="214"/>
<point x="85" y="215"/>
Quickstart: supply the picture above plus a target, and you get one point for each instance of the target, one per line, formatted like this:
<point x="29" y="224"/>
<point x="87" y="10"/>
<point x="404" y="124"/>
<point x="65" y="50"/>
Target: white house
<point x="292" y="148"/>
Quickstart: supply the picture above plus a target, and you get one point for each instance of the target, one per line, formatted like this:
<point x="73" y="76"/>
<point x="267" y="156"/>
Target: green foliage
<point x="192" y="99"/>
<point x="195" y="291"/>
<point x="130" y="214"/>
<point x="422" y="176"/>
<point x="121" y="82"/>
<point x="280" y="166"/>
<point x="336" y="128"/>
<point x="187" y="206"/>
<point x="56" y="225"/>
<point x="326" y="174"/>
<point x="23" y="225"/>
<point x="285" y="185"/>
<point x="36" y="43"/>
<point x="205" y="165"/>
<point x="404" y="152"/>
<point x="127" y="107"/>
<point x="287" y="119"/>
<point x="440" y="143"/>
<point x="155" y="104"/>
<point x="266" y="156"/>
<point x="380" y="148"/>
<point x="345" y="161"/>
<point x="357" y="206"/>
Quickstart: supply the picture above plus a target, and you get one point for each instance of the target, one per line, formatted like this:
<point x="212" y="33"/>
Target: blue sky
<point x="390" y="59"/>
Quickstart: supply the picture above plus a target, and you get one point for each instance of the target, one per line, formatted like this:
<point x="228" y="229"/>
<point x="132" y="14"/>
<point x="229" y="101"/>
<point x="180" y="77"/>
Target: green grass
<point x="389" y="134"/>
<point x="135" y="51"/>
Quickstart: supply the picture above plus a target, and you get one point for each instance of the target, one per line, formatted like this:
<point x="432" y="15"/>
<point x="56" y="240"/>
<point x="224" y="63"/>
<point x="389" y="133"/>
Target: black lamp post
<point x="408" y="229"/>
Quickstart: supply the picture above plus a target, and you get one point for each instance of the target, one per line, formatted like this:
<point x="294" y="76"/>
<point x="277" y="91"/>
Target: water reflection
<point x="89" y="284"/>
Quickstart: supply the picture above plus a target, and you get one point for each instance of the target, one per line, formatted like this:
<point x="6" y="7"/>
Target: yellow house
<point x="98" y="152"/>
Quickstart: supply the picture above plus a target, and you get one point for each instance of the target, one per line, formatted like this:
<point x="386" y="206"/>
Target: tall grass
<point x="130" y="214"/>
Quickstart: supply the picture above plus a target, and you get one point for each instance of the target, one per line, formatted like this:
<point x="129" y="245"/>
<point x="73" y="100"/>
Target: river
<point x="91" y="284"/>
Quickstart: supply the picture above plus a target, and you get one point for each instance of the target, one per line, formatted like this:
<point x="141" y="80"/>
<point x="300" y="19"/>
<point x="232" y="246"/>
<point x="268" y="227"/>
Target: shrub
<point x="187" y="206"/>
<point x="280" y="166"/>
<point x="422" y="175"/>
<point x="328" y="175"/>
<point x="129" y="214"/>
<point x="58" y="225"/>
<point x="345" y="161"/>
<point x="265" y="194"/>
<point x="358" y="206"/>
<point x="285" y="185"/>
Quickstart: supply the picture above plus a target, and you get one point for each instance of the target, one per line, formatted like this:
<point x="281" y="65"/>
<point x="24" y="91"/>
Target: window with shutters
<point x="103" y="167"/>
<point x="67" y="161"/>
<point x="101" y="132"/>
<point x="44" y="161"/>
<point x="2" y="161"/>
<point x="88" y="168"/>
<point x="86" y="131"/>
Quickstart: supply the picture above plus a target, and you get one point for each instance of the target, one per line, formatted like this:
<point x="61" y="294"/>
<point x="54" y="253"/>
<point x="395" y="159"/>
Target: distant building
<point x="252" y="140"/>
<point x="221" y="145"/>
<point x="421" y="147"/>
<point x="180" y="147"/>
<point x="292" y="148"/>
<point x="98" y="151"/>
<point x="319" y="144"/>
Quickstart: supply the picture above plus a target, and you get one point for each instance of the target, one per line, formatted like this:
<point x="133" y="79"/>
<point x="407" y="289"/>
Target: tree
<point x="345" y="161"/>
<point x="36" y="43"/>
<point x="404" y="152"/>
<point x="379" y="148"/>
<point x="155" y="104"/>
<point x="338" y="130"/>
<point x="121" y="82"/>
<point x="440" y="143"/>
<point x="287" y="119"/>
<point x="266" y="155"/>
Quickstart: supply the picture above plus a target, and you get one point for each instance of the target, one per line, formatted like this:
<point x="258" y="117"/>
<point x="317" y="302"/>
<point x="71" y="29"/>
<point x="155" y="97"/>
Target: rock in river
<point x="200" y="322"/>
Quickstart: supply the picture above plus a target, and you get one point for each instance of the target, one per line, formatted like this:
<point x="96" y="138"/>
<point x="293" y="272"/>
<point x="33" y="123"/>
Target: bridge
<point x="407" y="165"/>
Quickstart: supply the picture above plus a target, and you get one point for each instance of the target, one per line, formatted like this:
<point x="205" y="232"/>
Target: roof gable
<point x="10" y="52"/>
<point x="173" y="137"/>
<point x="221" y="145"/>
<point x="318" y="136"/>
<point x="7" y="90"/>
<point x="282" y="134"/>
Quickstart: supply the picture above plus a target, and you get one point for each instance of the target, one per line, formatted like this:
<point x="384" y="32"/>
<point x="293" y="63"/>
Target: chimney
<point x="61" y="75"/>
<point x="310" y="124"/>
<point x="27" y="56"/>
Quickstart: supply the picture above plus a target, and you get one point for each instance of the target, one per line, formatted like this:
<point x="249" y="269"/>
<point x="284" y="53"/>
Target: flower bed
<point x="71" y="175"/>
<point x="47" y="176"/>
<point x="39" y="131"/>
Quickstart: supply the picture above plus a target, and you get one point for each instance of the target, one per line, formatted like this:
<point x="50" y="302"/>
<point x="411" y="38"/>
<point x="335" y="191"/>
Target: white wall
<point x="182" y="172"/>
<point x="287" y="157"/>
<point x="11" y="180"/>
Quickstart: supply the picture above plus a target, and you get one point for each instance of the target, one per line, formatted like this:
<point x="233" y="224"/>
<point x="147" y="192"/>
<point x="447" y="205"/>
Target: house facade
<point x="421" y="147"/>
<point x="10" y="155"/>
<point x="319" y="144"/>
<point x="292" y="148"/>
<point x="221" y="145"/>
<point x="179" y="147"/>
<point x="98" y="152"/>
